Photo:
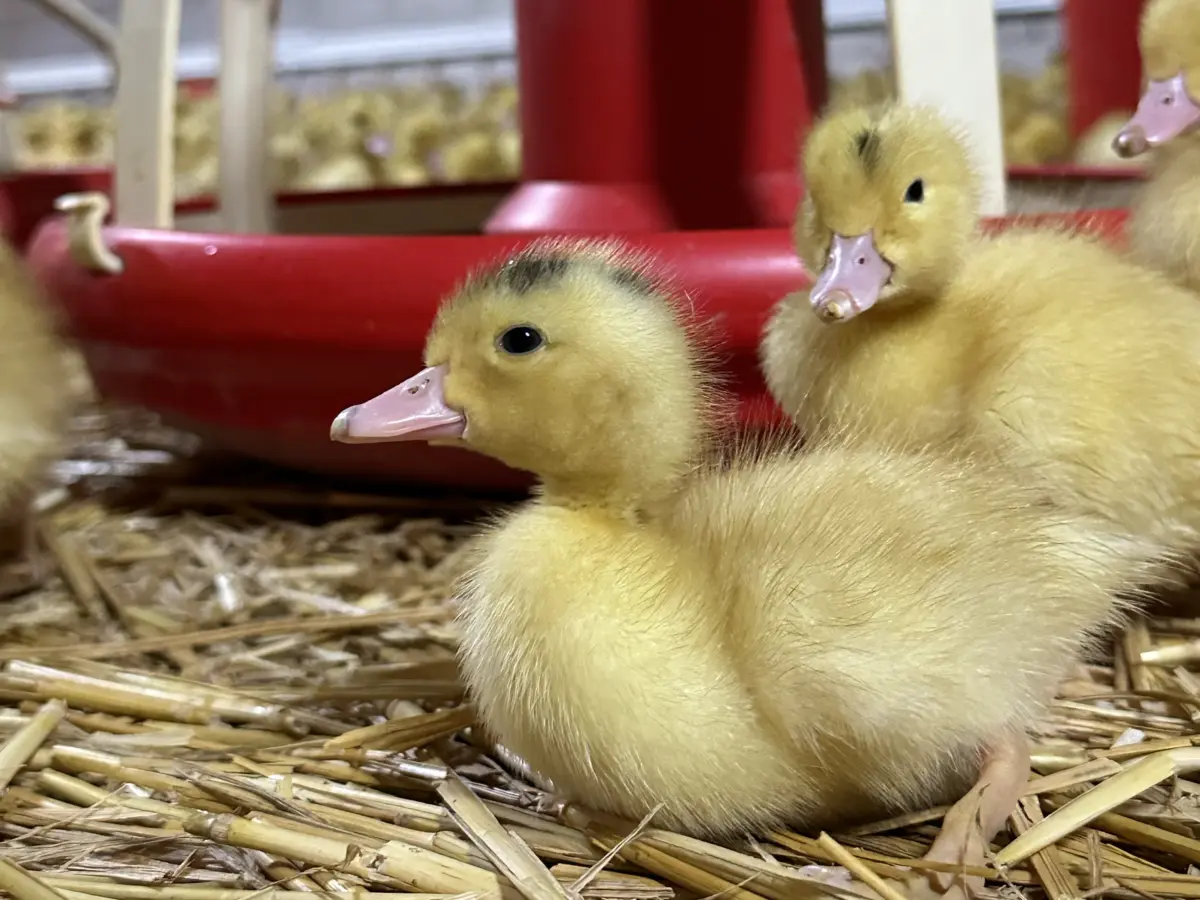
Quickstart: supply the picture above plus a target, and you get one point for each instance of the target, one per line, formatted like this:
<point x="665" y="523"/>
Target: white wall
<point x="43" y="56"/>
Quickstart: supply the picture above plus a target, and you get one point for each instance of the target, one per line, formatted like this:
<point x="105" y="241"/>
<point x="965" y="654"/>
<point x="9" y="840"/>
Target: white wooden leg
<point x="247" y="70"/>
<point x="944" y="52"/>
<point x="145" y="113"/>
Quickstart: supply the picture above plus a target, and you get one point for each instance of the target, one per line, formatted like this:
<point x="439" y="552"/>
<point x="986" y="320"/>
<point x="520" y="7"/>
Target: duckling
<point x="1095" y="146"/>
<point x="393" y="160"/>
<point x="866" y="88"/>
<point x="1164" y="220"/>
<point x="1016" y="99"/>
<point x="425" y="127"/>
<point x="1031" y="346"/>
<point x="49" y="135"/>
<point x="1040" y="137"/>
<point x="337" y="160"/>
<point x="749" y="639"/>
<point x="500" y="101"/>
<point x="509" y="146"/>
<point x="1050" y="89"/>
<point x="197" y="159"/>
<point x="472" y="155"/>
<point x="369" y="112"/>
<point x="35" y="393"/>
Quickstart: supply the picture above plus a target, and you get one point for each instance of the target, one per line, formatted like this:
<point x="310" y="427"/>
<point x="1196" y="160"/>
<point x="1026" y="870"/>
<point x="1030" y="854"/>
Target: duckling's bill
<point x="1165" y="111"/>
<point x="414" y="410"/>
<point x="854" y="275"/>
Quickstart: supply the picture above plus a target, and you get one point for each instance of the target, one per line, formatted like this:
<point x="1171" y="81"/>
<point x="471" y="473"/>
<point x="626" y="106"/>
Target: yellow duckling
<point x="337" y="159"/>
<point x="425" y="126"/>
<point x="780" y="637"/>
<point x="509" y="144"/>
<point x="35" y="392"/>
<point x="501" y="101"/>
<point x="1040" y="137"/>
<point x="1050" y="89"/>
<point x="1095" y="146"/>
<point x="394" y="161"/>
<point x="197" y="151"/>
<point x="1016" y="99"/>
<point x="370" y="112"/>
<point x="471" y="155"/>
<point x="1164" y="224"/>
<point x="1033" y="344"/>
<point x="50" y="136"/>
<point x="93" y="139"/>
<point x="867" y="88"/>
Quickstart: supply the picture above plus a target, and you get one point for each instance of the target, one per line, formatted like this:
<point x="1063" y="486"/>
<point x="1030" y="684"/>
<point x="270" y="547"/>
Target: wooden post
<point x="944" y="52"/>
<point x="144" y="168"/>
<point x="245" y="194"/>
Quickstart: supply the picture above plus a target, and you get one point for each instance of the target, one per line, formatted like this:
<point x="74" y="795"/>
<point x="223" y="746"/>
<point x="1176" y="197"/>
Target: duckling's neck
<point x="900" y="308"/>
<point x="623" y="498"/>
<point x="1180" y="155"/>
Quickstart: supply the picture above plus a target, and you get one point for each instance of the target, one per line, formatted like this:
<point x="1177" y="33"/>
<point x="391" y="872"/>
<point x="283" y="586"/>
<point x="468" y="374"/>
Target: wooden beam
<point x="144" y="168"/>
<point x="944" y="52"/>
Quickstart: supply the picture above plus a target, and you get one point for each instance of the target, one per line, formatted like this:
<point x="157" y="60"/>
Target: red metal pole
<point x="1103" y="63"/>
<point x="652" y="115"/>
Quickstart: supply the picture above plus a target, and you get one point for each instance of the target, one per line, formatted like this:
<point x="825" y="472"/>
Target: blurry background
<point x="408" y="92"/>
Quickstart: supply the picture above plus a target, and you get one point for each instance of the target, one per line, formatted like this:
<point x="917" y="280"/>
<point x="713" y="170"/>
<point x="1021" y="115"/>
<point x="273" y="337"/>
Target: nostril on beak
<point x="834" y="306"/>
<point x="340" y="429"/>
<point x="1130" y="142"/>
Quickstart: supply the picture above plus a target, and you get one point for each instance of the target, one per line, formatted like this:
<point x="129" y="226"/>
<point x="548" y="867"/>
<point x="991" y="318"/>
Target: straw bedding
<point x="236" y="689"/>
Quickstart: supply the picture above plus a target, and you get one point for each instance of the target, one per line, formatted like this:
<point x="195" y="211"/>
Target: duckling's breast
<point x="896" y="375"/>
<point x="1164" y="223"/>
<point x="594" y="650"/>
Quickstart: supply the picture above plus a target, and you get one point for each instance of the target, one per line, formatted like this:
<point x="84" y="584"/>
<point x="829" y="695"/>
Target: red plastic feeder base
<point x="257" y="342"/>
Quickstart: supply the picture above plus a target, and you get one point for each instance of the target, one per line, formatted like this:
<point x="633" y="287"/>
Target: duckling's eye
<point x="915" y="192"/>
<point x="520" y="339"/>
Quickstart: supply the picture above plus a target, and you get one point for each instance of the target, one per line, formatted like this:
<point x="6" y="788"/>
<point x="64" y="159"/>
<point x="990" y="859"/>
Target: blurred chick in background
<point x="390" y="136"/>
<point x="35" y="396"/>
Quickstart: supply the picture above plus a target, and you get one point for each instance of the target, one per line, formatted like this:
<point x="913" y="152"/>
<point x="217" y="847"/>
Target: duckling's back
<point x="892" y="612"/>
<point x="1091" y="377"/>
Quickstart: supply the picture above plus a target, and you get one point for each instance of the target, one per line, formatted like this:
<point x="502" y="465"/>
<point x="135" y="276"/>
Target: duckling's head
<point x="891" y="202"/>
<point x="1169" y="37"/>
<point x="567" y="361"/>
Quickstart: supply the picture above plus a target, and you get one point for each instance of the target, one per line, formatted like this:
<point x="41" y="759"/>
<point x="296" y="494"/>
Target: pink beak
<point x="853" y="277"/>
<point x="379" y="145"/>
<point x="414" y="410"/>
<point x="1164" y="112"/>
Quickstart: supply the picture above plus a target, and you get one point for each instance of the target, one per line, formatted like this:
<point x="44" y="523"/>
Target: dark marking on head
<point x="866" y="143"/>
<point x="633" y="280"/>
<point x="523" y="273"/>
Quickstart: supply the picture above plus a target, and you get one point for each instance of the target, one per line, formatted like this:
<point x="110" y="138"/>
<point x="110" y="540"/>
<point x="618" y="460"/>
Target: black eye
<point x="915" y="192"/>
<point x="521" y="339"/>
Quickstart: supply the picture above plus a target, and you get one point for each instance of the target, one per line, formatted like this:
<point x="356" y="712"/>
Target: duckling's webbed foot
<point x="975" y="819"/>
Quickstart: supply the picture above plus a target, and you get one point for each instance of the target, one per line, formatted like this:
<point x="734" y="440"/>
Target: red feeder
<point x="1104" y="64"/>
<point x="257" y="341"/>
<point x="676" y="114"/>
